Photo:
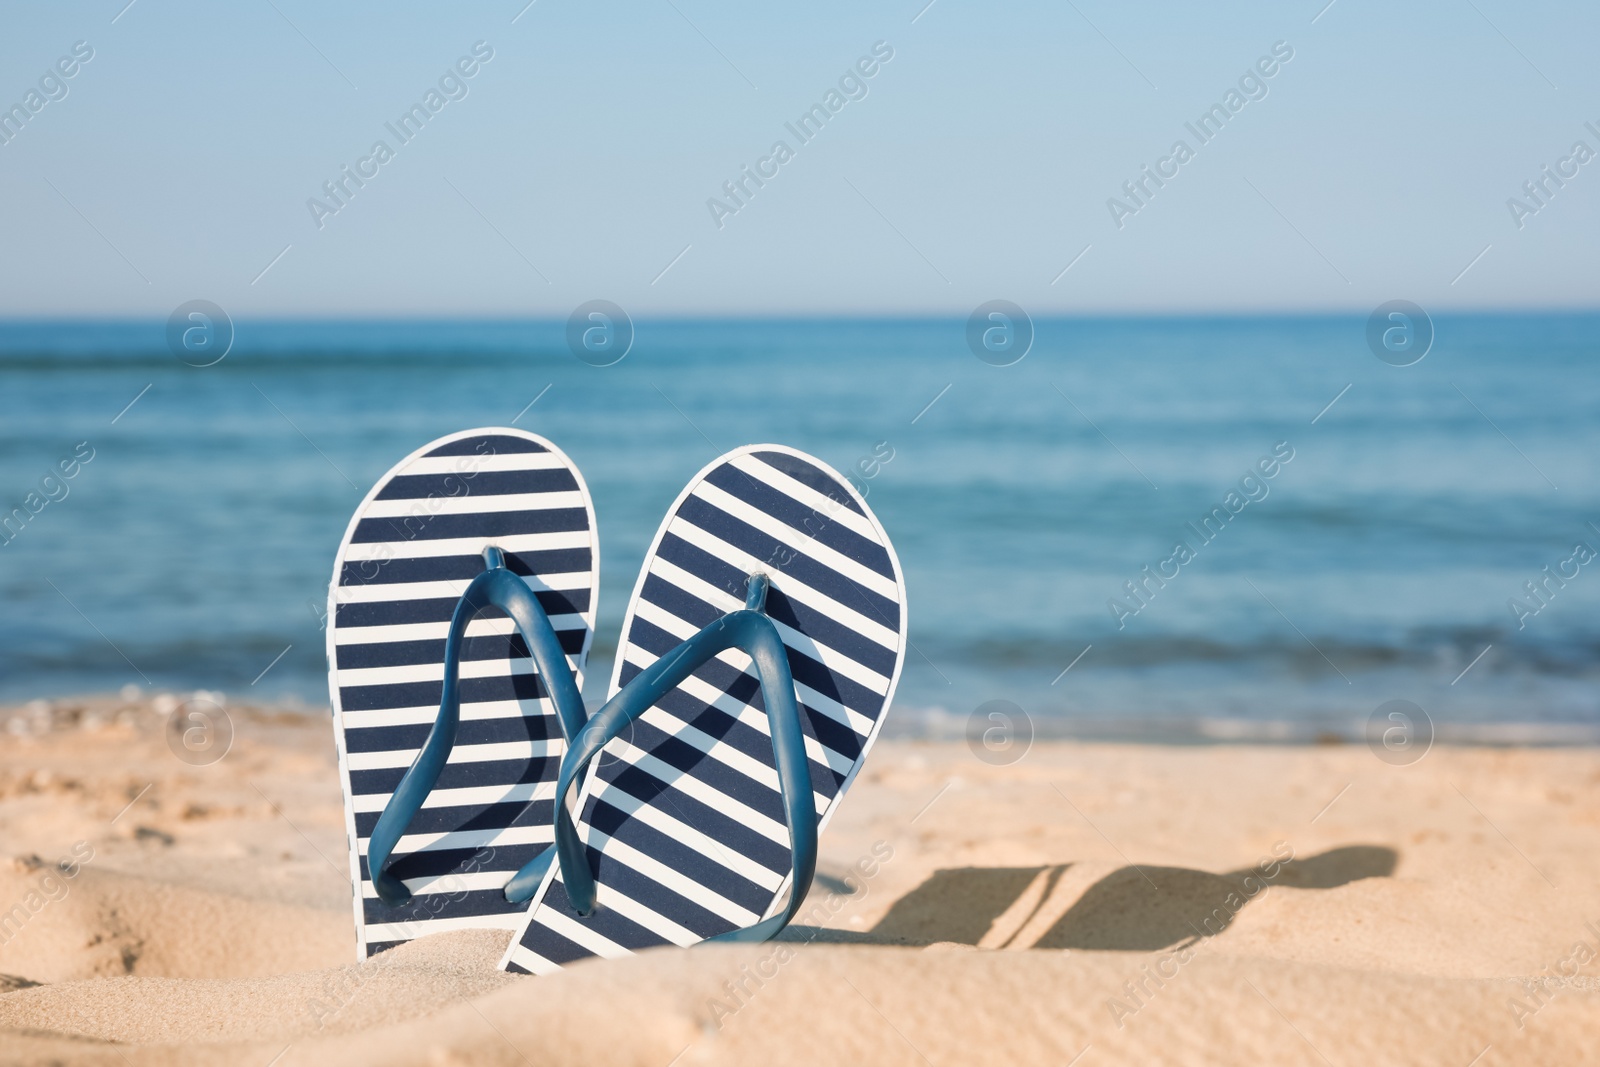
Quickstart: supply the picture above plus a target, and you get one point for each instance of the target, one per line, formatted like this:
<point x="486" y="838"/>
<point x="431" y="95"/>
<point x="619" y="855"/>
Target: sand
<point x="1088" y="904"/>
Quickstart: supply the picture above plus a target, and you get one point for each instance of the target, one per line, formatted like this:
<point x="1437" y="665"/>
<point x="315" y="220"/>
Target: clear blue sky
<point x="978" y="165"/>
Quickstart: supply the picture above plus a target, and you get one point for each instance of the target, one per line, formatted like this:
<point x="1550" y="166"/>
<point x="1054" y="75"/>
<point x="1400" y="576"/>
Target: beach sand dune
<point x="1109" y="903"/>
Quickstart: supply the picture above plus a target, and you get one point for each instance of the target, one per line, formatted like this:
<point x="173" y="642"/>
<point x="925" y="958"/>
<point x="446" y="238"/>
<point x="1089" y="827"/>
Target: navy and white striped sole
<point x="410" y="551"/>
<point x="681" y="814"/>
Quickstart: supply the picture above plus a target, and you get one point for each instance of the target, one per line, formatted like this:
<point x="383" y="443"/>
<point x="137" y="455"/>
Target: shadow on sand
<point x="1132" y="908"/>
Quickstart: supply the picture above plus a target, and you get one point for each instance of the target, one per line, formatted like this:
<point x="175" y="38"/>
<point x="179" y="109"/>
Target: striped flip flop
<point x="459" y="619"/>
<point x="759" y="654"/>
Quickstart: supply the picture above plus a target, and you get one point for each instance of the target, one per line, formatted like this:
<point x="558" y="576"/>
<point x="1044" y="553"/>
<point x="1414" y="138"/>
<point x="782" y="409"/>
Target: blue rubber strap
<point x="500" y="588"/>
<point x="751" y="631"/>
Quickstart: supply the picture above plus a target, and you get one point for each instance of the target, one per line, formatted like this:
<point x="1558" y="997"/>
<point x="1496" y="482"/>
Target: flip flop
<point x="459" y="619"/>
<point x="760" y="652"/>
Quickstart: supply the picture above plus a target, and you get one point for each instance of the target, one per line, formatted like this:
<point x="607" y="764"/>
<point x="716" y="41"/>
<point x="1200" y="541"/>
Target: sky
<point x="983" y="158"/>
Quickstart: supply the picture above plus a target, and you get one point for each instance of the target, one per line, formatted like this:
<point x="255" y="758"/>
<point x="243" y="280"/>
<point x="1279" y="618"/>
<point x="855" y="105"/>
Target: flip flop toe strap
<point x="752" y="632"/>
<point x="499" y="588"/>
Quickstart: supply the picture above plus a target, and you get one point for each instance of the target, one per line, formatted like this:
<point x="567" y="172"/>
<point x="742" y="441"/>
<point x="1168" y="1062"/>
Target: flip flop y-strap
<point x="496" y="587"/>
<point x="752" y="632"/>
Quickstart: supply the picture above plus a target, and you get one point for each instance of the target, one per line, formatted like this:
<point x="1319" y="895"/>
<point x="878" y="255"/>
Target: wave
<point x="940" y="724"/>
<point x="1427" y="647"/>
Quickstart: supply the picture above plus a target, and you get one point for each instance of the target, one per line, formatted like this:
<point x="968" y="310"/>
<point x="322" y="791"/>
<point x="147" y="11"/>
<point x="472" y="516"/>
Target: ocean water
<point x="1377" y="562"/>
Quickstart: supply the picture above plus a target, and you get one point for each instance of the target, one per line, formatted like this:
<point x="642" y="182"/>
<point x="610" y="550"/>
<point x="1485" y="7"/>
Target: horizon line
<point x="457" y="318"/>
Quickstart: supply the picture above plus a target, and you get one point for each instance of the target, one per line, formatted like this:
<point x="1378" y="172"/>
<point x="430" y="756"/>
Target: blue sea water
<point x="1376" y="564"/>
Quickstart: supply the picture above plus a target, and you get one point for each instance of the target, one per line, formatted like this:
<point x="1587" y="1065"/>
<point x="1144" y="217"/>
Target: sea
<point x="1354" y="532"/>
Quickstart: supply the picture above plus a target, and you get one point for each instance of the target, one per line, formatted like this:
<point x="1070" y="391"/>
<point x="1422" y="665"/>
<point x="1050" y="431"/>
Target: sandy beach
<point x="1113" y="903"/>
<point x="1130" y="471"/>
